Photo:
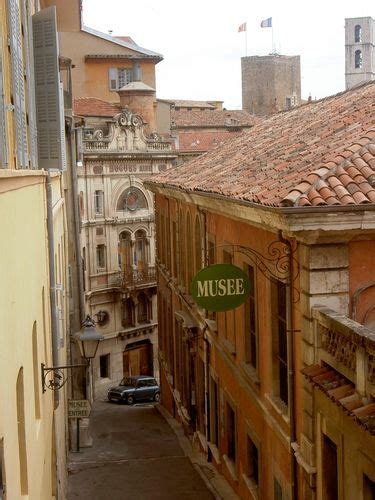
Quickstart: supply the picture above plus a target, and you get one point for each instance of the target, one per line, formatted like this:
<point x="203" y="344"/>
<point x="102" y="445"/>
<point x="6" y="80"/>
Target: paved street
<point x="135" y="455"/>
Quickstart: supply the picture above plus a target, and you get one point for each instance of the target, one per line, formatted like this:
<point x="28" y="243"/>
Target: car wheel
<point x="130" y="400"/>
<point x="157" y="397"/>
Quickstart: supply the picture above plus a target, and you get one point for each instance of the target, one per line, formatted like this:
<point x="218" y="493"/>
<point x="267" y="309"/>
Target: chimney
<point x="139" y="98"/>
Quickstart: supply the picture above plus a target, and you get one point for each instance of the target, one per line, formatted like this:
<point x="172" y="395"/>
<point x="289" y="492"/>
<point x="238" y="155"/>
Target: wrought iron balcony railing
<point x="135" y="277"/>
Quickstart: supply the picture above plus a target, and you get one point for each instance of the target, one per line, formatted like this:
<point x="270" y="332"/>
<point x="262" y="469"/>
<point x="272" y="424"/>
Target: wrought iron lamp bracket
<point x="279" y="263"/>
<point x="54" y="377"/>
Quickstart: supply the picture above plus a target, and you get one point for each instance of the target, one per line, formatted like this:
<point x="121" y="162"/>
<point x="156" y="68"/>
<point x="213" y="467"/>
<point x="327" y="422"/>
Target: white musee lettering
<point x="221" y="288"/>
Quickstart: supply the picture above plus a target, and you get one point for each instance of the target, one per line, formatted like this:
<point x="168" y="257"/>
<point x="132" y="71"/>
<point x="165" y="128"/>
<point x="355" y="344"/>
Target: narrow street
<point x="135" y="455"/>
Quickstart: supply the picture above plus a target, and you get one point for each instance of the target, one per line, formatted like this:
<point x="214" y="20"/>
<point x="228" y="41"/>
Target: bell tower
<point x="359" y="50"/>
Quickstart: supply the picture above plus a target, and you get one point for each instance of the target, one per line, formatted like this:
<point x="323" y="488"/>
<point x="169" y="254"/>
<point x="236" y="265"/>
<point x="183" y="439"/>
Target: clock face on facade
<point x="132" y="200"/>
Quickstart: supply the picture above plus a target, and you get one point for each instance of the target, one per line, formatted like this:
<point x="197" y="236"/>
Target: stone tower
<point x="359" y="50"/>
<point x="270" y="83"/>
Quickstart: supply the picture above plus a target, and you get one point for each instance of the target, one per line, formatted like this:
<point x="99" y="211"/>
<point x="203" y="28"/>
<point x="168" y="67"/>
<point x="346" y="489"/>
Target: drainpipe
<point x="206" y="355"/>
<point x="291" y="373"/>
<point x="76" y="217"/>
<point x="52" y="279"/>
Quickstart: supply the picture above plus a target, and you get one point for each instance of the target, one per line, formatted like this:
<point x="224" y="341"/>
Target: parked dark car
<point x="133" y="389"/>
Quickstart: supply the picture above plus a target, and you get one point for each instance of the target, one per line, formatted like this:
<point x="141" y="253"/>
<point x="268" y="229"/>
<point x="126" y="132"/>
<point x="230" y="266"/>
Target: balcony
<point x="135" y="278"/>
<point x="345" y="368"/>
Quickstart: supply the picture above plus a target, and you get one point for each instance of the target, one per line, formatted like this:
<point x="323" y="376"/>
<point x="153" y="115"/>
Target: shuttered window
<point x="48" y="91"/>
<point x="29" y="71"/>
<point x="119" y="77"/>
<point x="18" y="84"/>
<point x="3" y="121"/>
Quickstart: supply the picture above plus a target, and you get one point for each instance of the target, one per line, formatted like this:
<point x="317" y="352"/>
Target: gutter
<point x="52" y="281"/>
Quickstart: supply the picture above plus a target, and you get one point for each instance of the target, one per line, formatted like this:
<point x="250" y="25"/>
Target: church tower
<point x="359" y="50"/>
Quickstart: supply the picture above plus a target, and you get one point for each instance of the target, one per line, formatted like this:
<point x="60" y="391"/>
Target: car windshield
<point x="128" y="381"/>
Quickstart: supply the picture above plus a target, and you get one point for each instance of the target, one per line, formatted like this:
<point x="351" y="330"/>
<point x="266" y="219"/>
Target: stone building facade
<point x="118" y="237"/>
<point x="359" y="50"/>
<point x="270" y="83"/>
<point x="279" y="392"/>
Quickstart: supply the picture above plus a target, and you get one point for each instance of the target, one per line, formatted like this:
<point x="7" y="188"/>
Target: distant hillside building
<point x="359" y="50"/>
<point x="270" y="83"/>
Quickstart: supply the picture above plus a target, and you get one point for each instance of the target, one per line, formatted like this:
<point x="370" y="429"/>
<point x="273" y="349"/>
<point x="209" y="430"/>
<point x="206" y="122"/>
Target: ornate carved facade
<point x="118" y="241"/>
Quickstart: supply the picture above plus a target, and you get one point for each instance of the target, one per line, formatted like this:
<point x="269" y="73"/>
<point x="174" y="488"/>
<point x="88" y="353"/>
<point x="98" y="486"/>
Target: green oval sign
<point x="220" y="287"/>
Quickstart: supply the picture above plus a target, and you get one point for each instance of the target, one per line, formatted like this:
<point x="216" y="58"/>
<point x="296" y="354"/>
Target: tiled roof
<point x="91" y="106"/>
<point x="342" y="392"/>
<point x="183" y="103"/>
<point x="285" y="158"/>
<point x="212" y="118"/>
<point x="121" y="42"/>
<point x="202" y="141"/>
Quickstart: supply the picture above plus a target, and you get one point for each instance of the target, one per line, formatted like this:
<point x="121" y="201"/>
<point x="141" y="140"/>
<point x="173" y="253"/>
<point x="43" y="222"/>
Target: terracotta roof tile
<point x="331" y="141"/>
<point x="92" y="106"/>
<point x="212" y="118"/>
<point x="343" y="393"/>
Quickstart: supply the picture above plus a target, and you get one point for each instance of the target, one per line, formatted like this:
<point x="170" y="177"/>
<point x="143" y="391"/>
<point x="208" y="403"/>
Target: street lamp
<point x="88" y="339"/>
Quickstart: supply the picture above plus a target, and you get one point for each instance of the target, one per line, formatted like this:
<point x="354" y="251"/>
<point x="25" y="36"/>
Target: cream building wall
<point x="28" y="460"/>
<point x="32" y="422"/>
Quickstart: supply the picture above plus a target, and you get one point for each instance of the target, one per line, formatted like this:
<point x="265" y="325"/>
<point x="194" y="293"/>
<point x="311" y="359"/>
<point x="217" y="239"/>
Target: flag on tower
<point x="266" y="23"/>
<point x="242" y="27"/>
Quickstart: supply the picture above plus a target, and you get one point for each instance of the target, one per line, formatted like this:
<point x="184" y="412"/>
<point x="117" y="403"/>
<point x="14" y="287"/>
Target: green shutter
<point x="48" y="94"/>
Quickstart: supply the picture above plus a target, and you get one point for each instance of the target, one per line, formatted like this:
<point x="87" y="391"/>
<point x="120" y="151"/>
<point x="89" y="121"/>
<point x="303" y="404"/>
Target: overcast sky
<point x="202" y="48"/>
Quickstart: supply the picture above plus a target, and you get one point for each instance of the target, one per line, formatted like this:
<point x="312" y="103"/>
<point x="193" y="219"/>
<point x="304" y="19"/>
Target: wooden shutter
<point x="48" y="94"/>
<point x="3" y="121"/>
<point x="112" y="73"/>
<point x="29" y="67"/>
<point x="18" y="84"/>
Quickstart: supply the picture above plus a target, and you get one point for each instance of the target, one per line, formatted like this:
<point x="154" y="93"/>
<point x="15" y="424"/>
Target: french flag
<point x="266" y="23"/>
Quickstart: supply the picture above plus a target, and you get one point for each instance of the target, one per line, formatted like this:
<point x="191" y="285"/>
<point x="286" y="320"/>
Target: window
<point x="2" y="471"/>
<point x="358" y="59"/>
<point x="119" y="77"/>
<point x="251" y="322"/>
<point x="279" y="339"/>
<point x="198" y="246"/>
<point x="231" y="432"/>
<point x="357" y="34"/>
<point x="140" y="250"/>
<point x="214" y="412"/>
<point x="368" y="488"/>
<point x="104" y="365"/>
<point x="252" y="461"/>
<point x="142" y="308"/>
<point x="329" y="469"/>
<point x="277" y="490"/>
<point x="100" y="256"/>
<point x="125" y="251"/>
<point x="127" y="313"/>
<point x="98" y="202"/>
<point x="131" y="200"/>
<point x="189" y="252"/>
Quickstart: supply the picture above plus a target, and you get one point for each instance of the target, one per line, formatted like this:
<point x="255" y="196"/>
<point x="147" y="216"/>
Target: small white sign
<point x="79" y="408"/>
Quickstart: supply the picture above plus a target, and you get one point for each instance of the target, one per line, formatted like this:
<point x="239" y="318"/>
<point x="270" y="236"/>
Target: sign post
<point x="78" y="408"/>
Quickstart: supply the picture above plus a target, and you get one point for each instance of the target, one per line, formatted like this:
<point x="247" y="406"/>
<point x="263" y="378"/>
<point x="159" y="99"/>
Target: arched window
<point x="131" y="200"/>
<point x="125" y="251"/>
<point x="358" y="59"/>
<point x="140" y="259"/>
<point x="357" y="34"/>
<point x="142" y="308"/>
